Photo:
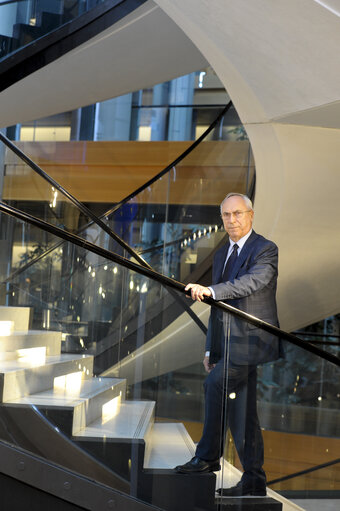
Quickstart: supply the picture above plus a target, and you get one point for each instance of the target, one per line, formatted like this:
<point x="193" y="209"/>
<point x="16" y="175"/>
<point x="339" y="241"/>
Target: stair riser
<point x="11" y="343"/>
<point x="28" y="381"/>
<point x="19" y="315"/>
<point x="71" y="420"/>
<point x="90" y="411"/>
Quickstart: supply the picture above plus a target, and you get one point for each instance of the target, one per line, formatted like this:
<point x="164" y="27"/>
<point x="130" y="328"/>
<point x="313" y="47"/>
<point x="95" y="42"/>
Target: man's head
<point x="237" y="214"/>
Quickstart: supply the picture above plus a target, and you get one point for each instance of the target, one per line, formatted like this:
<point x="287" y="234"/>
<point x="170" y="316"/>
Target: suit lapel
<point x="218" y="268"/>
<point x="244" y="254"/>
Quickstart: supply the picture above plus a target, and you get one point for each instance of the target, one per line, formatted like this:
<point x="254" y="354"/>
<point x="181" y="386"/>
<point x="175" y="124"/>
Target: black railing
<point x="99" y="220"/>
<point x="171" y="165"/>
<point x="84" y="209"/>
<point x="32" y="56"/>
<point x="126" y="199"/>
<point x="87" y="212"/>
<point x="165" y="281"/>
<point x="303" y="472"/>
<point x="6" y="2"/>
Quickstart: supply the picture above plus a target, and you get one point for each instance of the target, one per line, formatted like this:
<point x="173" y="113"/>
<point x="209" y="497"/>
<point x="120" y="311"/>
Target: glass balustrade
<point x="297" y="399"/>
<point x="151" y="417"/>
<point x="173" y="224"/>
<point x="30" y="192"/>
<point x="25" y="21"/>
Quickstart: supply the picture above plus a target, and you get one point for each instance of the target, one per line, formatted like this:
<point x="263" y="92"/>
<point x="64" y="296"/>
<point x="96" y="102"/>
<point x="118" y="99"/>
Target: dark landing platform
<point x="192" y="492"/>
<point x="247" y="504"/>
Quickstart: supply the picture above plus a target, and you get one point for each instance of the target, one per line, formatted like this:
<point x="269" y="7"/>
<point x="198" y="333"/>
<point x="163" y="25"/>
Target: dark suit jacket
<point x="251" y="288"/>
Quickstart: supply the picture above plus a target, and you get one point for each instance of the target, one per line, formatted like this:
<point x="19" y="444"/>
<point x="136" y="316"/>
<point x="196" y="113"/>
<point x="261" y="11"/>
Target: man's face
<point x="237" y="219"/>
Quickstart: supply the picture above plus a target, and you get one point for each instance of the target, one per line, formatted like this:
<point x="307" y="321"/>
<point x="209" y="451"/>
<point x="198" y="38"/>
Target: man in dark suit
<point x="245" y="276"/>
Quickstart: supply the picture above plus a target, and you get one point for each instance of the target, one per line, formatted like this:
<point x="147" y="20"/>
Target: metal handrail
<point x="114" y="208"/>
<point x="87" y="212"/>
<point x="166" y="281"/>
<point x="303" y="472"/>
<point x="171" y="165"/>
<point x="6" y="2"/>
<point x="98" y="220"/>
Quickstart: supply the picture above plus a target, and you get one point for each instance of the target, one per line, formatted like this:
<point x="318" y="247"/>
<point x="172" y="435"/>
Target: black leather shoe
<point x="196" y="464"/>
<point x="243" y="489"/>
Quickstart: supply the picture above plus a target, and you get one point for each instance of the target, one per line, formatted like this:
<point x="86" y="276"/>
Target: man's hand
<point x="207" y="366"/>
<point x="198" y="292"/>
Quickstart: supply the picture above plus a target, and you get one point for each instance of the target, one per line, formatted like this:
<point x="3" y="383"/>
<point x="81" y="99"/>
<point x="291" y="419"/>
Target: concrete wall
<point x="279" y="62"/>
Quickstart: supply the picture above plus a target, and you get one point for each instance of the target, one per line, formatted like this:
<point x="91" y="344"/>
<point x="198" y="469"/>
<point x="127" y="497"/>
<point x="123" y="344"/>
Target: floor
<point x="229" y="476"/>
<point x="317" y="505"/>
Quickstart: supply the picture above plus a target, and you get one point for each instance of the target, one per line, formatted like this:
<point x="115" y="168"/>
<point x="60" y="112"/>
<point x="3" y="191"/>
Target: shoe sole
<point x="241" y="496"/>
<point x="255" y="494"/>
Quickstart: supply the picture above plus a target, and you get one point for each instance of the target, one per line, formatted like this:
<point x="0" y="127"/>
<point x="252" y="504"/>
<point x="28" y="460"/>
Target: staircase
<point x="94" y="413"/>
<point x="24" y="33"/>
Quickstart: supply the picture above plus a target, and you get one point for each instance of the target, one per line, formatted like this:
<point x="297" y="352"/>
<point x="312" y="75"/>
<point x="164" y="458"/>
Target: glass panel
<point x="324" y="334"/>
<point x="283" y="419"/>
<point x="174" y="224"/>
<point x="187" y="122"/>
<point x="146" y="358"/>
<point x="24" y="21"/>
<point x="25" y="189"/>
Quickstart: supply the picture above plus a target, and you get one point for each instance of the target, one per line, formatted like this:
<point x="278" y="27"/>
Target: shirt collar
<point x="240" y="242"/>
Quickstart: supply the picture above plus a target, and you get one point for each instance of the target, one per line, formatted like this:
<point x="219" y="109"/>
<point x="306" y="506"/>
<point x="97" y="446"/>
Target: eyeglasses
<point x="236" y="214"/>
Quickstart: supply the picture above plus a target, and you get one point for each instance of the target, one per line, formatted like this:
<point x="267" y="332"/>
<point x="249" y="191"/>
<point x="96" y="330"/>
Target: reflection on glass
<point x="140" y="336"/>
<point x="23" y="22"/>
<point x="298" y="409"/>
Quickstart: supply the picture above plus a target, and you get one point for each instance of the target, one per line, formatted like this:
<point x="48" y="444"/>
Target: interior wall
<point x="279" y="63"/>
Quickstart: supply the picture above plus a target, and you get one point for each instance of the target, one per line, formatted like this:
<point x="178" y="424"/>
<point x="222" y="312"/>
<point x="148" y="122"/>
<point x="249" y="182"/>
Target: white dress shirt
<point x="240" y="244"/>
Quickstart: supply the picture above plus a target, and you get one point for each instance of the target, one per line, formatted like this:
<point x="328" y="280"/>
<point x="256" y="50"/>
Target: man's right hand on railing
<point x="198" y="292"/>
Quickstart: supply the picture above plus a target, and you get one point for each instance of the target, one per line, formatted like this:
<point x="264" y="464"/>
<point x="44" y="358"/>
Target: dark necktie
<point x="230" y="263"/>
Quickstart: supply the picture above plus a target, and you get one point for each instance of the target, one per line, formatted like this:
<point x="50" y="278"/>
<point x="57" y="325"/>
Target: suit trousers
<point x="239" y="414"/>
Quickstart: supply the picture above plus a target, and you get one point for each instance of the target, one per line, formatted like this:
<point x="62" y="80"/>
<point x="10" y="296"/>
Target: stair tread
<point x="169" y="444"/>
<point x="52" y="397"/>
<point x="132" y="421"/>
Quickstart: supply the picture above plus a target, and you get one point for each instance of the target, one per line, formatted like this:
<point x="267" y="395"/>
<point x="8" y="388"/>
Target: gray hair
<point x="246" y="199"/>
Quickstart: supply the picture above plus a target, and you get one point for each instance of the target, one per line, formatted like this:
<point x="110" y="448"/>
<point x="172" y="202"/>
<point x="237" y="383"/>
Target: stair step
<point x="26" y="33"/>
<point x="10" y="344"/>
<point x="72" y="412"/>
<point x="19" y="315"/>
<point x="20" y="377"/>
<point x="49" y="21"/>
<point x="133" y="421"/>
<point x="7" y="45"/>
<point x="169" y="444"/>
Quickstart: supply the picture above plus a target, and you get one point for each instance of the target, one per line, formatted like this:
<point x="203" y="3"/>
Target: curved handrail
<point x="98" y="220"/>
<point x="38" y="53"/>
<point x="166" y="281"/>
<point x="6" y="2"/>
<point x="171" y="165"/>
<point x="128" y="197"/>
<point x="86" y="211"/>
<point x="304" y="472"/>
